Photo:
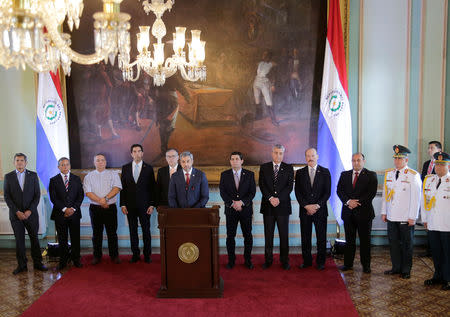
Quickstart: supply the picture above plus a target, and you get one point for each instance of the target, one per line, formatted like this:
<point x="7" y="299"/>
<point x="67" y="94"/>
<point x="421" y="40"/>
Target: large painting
<point x="264" y="60"/>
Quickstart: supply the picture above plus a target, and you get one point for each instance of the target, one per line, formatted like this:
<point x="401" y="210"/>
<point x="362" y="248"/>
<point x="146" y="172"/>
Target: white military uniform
<point x="401" y="197"/>
<point x="262" y="83"/>
<point x="436" y="203"/>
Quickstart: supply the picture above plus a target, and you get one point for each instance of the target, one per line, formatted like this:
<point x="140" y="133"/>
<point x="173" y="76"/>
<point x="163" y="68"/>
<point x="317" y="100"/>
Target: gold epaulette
<point x="412" y="171"/>
<point x="389" y="170"/>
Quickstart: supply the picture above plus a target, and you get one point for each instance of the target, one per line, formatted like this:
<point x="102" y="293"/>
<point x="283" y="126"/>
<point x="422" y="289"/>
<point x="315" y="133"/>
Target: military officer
<point x="436" y="218"/>
<point x="400" y="209"/>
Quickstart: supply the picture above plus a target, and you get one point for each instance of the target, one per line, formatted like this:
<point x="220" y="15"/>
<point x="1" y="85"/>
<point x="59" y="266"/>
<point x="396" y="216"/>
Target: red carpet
<point x="130" y="290"/>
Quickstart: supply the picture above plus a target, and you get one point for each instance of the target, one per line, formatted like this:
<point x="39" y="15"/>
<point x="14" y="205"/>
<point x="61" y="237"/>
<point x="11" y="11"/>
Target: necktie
<point x="275" y="173"/>
<point x="236" y="180"/>
<point x="312" y="174"/>
<point x="396" y="175"/>
<point x="66" y="182"/>
<point x="21" y="176"/>
<point x="438" y="184"/>
<point x="172" y="170"/>
<point x="136" y="173"/>
<point x="355" y="179"/>
<point x="187" y="179"/>
<point x="430" y="167"/>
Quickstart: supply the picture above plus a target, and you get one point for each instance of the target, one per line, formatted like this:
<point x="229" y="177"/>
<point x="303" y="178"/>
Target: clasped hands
<point x="311" y="209"/>
<point x="23" y="215"/>
<point x="353" y="203"/>
<point x="237" y="205"/>
<point x="125" y="210"/>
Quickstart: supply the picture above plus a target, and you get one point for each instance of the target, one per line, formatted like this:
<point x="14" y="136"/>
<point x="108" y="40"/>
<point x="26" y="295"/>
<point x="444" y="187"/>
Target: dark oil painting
<point x="264" y="63"/>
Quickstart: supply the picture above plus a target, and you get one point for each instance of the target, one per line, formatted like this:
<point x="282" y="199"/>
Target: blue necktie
<point x="136" y="173"/>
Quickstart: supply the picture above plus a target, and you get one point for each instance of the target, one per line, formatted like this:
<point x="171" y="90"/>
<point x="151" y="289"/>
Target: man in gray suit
<point x="22" y="194"/>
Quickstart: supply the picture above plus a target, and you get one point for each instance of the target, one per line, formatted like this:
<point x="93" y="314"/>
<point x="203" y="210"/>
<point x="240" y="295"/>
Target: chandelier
<point x="31" y="34"/>
<point x="157" y="66"/>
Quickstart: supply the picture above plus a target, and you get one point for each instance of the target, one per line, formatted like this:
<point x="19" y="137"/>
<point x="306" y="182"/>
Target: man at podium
<point x="188" y="187"/>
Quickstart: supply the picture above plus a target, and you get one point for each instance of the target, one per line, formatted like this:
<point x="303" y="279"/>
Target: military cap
<point x="441" y="157"/>
<point x="400" y="151"/>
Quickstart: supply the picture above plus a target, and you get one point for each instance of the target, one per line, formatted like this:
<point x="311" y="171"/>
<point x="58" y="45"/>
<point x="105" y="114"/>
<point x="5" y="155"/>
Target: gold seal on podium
<point x="188" y="252"/>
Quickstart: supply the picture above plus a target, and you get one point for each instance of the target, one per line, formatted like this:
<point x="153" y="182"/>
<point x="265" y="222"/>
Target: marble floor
<point x="373" y="294"/>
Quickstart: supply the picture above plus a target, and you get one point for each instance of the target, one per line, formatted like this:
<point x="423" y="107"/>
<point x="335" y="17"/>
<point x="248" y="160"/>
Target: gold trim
<point x="188" y="252"/>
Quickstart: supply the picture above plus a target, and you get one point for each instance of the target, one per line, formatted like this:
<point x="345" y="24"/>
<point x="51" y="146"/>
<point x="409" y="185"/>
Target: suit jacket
<point x="425" y="169"/>
<point x="317" y="194"/>
<point x="162" y="185"/>
<point x="246" y="191"/>
<point x="61" y="198"/>
<point x="281" y="190"/>
<point x="195" y="195"/>
<point x="142" y="194"/>
<point x="365" y="190"/>
<point x="18" y="200"/>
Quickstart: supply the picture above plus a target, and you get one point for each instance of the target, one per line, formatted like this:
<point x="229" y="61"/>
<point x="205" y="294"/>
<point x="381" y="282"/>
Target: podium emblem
<point x="188" y="252"/>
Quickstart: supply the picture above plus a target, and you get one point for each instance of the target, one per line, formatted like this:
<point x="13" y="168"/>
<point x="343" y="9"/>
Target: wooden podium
<point x="189" y="252"/>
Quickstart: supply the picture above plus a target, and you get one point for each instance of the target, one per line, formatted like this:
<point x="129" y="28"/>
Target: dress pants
<point x="439" y="242"/>
<point x="283" y="232"/>
<point x="400" y="237"/>
<point x="320" y="225"/>
<point x="32" y="226"/>
<point x="101" y="217"/>
<point x="64" y="226"/>
<point x="233" y="219"/>
<point x="133" y="216"/>
<point x="363" y="226"/>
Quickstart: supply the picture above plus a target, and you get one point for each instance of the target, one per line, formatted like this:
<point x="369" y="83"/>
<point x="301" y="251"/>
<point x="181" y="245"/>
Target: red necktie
<point x="66" y="182"/>
<point x="430" y="167"/>
<point x="355" y="179"/>
<point x="187" y="179"/>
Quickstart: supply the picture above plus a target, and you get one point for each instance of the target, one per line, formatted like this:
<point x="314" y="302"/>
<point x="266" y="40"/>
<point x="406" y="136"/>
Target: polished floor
<point x="373" y="294"/>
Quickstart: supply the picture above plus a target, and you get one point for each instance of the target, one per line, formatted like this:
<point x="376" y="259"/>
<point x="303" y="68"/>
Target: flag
<point x="334" y="140"/>
<point x="52" y="138"/>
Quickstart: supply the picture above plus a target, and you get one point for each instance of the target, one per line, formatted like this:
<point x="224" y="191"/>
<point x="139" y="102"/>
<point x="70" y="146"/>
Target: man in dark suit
<point x="428" y="166"/>
<point x="312" y="189"/>
<point x="427" y="169"/>
<point x="22" y="193"/>
<point x="137" y="200"/>
<point x="188" y="187"/>
<point x="164" y="175"/>
<point x="275" y="181"/>
<point x="237" y="189"/>
<point x="356" y="189"/>
<point x="66" y="193"/>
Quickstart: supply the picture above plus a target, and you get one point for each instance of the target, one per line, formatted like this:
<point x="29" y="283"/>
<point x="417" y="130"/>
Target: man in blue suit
<point x="188" y="187"/>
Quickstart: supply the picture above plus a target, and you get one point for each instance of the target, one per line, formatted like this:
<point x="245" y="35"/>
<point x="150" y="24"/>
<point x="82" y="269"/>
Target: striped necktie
<point x="236" y="180"/>
<point x="275" y="173"/>
<point x="66" y="182"/>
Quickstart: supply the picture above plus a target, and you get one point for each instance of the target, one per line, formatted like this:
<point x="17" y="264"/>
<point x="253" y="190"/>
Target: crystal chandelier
<point x="31" y="34"/>
<point x="157" y="66"/>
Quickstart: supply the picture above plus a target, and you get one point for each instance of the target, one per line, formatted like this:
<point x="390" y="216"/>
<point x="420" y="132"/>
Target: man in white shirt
<point x="101" y="187"/>
<point x="400" y="209"/>
<point x="436" y="218"/>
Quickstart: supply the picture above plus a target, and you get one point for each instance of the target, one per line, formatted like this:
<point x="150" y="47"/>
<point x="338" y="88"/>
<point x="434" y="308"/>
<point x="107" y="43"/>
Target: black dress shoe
<point x="249" y="265"/>
<point x="391" y="272"/>
<point x="134" y="258"/>
<point x="446" y="286"/>
<point x="96" y="261"/>
<point x="230" y="265"/>
<point x="286" y="266"/>
<point x="304" y="266"/>
<point x="116" y="260"/>
<point x="77" y="264"/>
<point x="321" y="267"/>
<point x="405" y="276"/>
<point x="40" y="267"/>
<point x="432" y="281"/>
<point x="266" y="265"/>
<point x="19" y="270"/>
<point x="345" y="268"/>
<point x="147" y="259"/>
<point x="367" y="270"/>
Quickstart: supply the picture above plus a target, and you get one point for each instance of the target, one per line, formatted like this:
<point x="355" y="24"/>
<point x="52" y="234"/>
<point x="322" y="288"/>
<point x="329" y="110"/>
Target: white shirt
<point x="190" y="174"/>
<point x="354" y="174"/>
<point x="405" y="192"/>
<point x="101" y="183"/>
<point x="238" y="173"/>
<point x="139" y="165"/>
<point x="438" y="217"/>
<point x="63" y="178"/>
<point x="262" y="71"/>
